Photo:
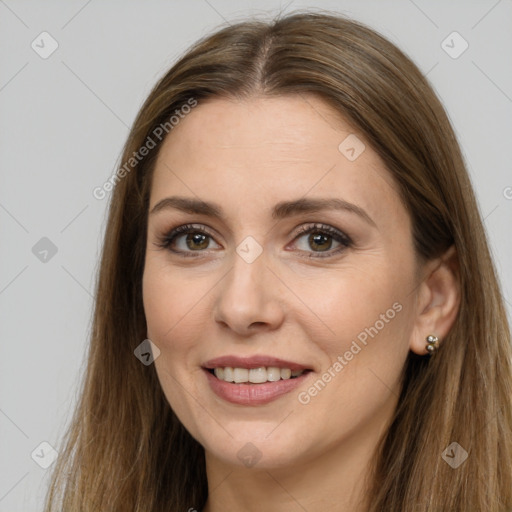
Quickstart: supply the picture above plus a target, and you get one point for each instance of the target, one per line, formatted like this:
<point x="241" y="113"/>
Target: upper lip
<point x="252" y="362"/>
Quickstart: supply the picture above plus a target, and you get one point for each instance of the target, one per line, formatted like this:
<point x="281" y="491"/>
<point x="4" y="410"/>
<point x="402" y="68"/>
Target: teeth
<point x="286" y="373"/>
<point x="258" y="375"/>
<point x="228" y="375"/>
<point x="255" y="375"/>
<point x="241" y="374"/>
<point x="273" y="374"/>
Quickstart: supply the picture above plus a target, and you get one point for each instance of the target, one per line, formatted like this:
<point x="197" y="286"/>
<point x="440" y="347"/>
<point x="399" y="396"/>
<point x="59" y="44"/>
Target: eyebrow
<point x="281" y="210"/>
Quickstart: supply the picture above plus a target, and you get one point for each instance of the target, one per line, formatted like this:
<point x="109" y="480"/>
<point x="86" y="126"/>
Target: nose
<point x="249" y="298"/>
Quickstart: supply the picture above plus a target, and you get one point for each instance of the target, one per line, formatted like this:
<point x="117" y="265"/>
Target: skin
<point x="247" y="156"/>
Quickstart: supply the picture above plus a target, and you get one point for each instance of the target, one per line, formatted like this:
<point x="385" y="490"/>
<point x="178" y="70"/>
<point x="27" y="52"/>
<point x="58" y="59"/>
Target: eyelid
<point x="165" y="240"/>
<point x="339" y="236"/>
<point x="325" y="228"/>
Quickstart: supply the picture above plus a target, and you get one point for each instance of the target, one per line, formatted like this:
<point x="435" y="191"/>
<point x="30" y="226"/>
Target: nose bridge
<point x="246" y="295"/>
<point x="247" y="279"/>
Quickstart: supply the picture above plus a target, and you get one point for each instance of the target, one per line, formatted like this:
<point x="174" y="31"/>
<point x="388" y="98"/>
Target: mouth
<point x="260" y="375"/>
<point x="254" y="386"/>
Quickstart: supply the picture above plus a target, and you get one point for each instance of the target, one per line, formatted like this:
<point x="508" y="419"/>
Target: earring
<point x="432" y="343"/>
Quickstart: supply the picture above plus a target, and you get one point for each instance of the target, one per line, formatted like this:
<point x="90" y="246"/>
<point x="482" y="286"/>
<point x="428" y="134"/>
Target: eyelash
<point x="166" y="241"/>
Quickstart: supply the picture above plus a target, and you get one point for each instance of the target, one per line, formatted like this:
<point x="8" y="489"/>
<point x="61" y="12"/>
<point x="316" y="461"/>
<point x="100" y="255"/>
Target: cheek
<point x="360" y="305"/>
<point x="369" y="316"/>
<point x="363" y="359"/>
<point x="170" y="302"/>
<point x="172" y="306"/>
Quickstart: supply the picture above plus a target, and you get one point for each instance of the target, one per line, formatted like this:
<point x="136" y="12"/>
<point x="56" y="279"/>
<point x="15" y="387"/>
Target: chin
<point x="255" y="445"/>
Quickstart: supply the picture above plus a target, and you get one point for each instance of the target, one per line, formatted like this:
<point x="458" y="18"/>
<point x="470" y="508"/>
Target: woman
<point x="296" y="306"/>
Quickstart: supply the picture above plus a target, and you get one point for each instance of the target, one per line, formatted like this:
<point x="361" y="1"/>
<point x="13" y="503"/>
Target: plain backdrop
<point x="65" y="116"/>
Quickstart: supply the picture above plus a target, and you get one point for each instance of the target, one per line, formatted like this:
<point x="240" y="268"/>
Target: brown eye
<point x="186" y="240"/>
<point x="320" y="239"/>
<point x="197" y="241"/>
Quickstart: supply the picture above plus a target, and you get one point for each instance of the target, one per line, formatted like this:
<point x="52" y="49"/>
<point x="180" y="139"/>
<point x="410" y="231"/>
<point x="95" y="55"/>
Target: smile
<point x="255" y="375"/>
<point x="255" y="386"/>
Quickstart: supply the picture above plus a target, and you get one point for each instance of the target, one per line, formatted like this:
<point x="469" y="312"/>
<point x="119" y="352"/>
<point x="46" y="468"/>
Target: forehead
<point x="290" y="126"/>
<point x="267" y="149"/>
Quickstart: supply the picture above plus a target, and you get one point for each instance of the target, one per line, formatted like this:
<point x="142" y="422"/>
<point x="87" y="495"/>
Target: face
<point x="266" y="287"/>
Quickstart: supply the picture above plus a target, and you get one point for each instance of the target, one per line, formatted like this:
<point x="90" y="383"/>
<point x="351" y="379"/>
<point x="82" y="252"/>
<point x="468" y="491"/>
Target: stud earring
<point x="432" y="343"/>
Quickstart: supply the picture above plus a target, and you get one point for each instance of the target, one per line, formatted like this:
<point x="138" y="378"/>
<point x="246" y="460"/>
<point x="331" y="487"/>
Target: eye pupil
<point x="196" y="238"/>
<point x="317" y="240"/>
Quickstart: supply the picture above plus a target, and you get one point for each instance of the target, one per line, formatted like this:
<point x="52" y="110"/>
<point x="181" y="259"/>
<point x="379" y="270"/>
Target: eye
<point x="197" y="239"/>
<point x="320" y="237"/>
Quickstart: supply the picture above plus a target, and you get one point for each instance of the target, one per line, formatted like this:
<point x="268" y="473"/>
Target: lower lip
<point x="253" y="394"/>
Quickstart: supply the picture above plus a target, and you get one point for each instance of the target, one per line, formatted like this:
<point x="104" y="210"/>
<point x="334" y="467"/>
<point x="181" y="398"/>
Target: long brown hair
<point x="126" y="450"/>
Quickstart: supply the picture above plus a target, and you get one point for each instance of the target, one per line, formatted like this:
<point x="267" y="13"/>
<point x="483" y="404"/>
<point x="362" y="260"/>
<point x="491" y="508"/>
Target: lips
<point x="250" y="393"/>
<point x="256" y="361"/>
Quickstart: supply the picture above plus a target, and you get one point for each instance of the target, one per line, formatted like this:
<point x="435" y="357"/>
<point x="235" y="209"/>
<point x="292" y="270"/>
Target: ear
<point x="438" y="300"/>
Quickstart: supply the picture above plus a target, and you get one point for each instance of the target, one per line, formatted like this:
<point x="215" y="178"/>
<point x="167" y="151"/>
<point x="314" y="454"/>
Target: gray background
<point x="62" y="125"/>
